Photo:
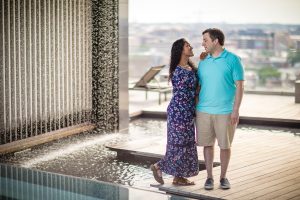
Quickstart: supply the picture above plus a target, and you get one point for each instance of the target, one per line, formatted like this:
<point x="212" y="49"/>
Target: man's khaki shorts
<point x="209" y="127"/>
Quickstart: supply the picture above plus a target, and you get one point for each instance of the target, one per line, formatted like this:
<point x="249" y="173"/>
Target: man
<point x="221" y="79"/>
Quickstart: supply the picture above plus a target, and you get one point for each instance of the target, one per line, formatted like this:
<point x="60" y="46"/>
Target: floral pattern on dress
<point x="181" y="158"/>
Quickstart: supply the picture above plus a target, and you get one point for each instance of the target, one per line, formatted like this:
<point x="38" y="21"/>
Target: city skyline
<point x="195" y="11"/>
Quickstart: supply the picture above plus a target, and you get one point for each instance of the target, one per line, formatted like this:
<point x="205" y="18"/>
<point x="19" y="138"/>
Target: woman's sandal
<point x="182" y="181"/>
<point x="155" y="174"/>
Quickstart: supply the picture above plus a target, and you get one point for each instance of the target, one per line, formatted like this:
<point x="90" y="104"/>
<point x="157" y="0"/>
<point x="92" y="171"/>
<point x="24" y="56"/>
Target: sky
<point x="215" y="11"/>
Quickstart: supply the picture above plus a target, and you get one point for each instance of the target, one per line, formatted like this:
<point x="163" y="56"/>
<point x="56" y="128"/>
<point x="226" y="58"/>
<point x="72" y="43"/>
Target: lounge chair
<point x="148" y="82"/>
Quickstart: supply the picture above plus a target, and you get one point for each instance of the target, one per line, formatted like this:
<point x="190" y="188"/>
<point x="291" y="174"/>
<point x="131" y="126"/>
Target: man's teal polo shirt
<point x="217" y="78"/>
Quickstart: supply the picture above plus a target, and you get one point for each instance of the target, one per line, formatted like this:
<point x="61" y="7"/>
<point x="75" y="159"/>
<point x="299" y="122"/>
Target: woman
<point x="181" y="159"/>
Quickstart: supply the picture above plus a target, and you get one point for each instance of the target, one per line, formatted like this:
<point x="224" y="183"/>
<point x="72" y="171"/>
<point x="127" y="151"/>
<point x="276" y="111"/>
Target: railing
<point x="23" y="183"/>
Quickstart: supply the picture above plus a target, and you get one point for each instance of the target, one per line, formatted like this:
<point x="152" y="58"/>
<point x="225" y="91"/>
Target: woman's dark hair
<point x="176" y="52"/>
<point x="215" y="33"/>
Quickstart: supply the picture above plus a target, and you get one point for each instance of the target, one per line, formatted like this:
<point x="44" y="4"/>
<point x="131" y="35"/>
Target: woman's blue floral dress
<point x="181" y="159"/>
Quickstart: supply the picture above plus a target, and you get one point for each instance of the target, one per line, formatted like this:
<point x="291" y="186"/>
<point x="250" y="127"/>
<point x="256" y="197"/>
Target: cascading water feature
<point x="46" y="66"/>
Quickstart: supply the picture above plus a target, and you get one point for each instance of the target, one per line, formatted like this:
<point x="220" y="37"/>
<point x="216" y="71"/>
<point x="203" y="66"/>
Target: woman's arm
<point x="197" y="94"/>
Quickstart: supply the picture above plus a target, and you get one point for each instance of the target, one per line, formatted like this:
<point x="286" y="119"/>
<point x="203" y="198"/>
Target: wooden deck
<point x="264" y="165"/>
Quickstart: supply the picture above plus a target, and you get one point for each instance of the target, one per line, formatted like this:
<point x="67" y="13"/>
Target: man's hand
<point x="235" y="117"/>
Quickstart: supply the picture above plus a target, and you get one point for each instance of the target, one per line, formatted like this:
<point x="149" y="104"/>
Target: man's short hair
<point x="215" y="33"/>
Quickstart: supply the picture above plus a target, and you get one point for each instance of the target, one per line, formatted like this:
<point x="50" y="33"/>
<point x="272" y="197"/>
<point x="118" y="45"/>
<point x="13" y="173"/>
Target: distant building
<point x="254" y="39"/>
<point x="296" y="41"/>
<point x="282" y="42"/>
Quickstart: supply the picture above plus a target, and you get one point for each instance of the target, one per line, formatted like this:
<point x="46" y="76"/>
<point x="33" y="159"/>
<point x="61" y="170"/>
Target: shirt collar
<point x="222" y="55"/>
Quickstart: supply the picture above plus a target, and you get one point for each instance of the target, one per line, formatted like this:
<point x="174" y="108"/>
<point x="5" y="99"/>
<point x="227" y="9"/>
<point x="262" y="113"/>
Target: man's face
<point x="208" y="44"/>
<point x="187" y="50"/>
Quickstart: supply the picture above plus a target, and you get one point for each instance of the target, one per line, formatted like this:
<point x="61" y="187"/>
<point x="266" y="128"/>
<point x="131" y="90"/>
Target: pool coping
<point x="247" y="120"/>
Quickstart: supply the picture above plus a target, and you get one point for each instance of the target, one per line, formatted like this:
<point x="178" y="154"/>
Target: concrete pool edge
<point x="248" y="120"/>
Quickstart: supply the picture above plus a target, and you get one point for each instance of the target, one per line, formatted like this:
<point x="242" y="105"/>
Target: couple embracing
<point x="213" y="93"/>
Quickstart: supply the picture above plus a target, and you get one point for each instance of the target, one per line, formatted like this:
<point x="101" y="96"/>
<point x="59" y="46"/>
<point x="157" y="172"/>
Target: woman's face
<point x="187" y="50"/>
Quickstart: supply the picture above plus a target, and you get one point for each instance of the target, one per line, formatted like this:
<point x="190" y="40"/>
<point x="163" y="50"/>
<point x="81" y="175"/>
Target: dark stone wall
<point x="105" y="65"/>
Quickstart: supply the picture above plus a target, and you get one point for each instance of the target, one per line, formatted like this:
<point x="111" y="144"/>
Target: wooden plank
<point x="178" y="191"/>
<point x="251" y="182"/>
<point x="264" y="185"/>
<point x="281" y="191"/>
<point x="204" y="192"/>
<point x="295" y="195"/>
<point x="200" y="179"/>
<point x="244" y="173"/>
<point x="275" y="158"/>
<point x="133" y="145"/>
<point x="198" y="188"/>
<point x="262" y="171"/>
<point x="244" y="164"/>
<point x="258" y="157"/>
<point x="43" y="138"/>
<point x="240" y="178"/>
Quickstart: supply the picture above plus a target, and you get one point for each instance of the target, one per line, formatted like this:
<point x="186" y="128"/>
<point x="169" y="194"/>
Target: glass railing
<point x="29" y="184"/>
<point x="22" y="183"/>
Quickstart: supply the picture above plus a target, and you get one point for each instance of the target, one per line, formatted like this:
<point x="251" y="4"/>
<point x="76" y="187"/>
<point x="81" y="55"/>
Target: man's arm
<point x="237" y="102"/>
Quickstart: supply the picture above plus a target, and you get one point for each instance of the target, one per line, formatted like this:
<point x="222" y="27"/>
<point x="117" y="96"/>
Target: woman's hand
<point x="196" y="100"/>
<point x="203" y="55"/>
